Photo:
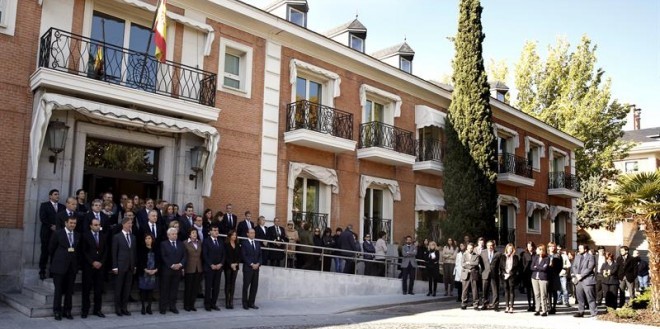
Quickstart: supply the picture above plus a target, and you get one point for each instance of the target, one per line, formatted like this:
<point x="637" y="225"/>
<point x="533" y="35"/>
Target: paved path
<point x="382" y="312"/>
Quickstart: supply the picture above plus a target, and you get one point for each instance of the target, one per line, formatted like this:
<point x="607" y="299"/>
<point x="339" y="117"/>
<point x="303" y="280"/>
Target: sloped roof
<point x="642" y="135"/>
<point x="278" y="3"/>
<point x="352" y="26"/>
<point x="497" y="85"/>
<point x="400" y="49"/>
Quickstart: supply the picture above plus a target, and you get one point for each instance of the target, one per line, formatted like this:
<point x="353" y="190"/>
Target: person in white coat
<point x="457" y="271"/>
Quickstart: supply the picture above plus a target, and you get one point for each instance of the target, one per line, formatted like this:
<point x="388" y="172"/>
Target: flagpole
<point x="151" y="33"/>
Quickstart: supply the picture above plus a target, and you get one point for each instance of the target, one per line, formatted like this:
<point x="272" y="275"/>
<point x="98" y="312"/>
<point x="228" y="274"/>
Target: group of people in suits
<point x="141" y="245"/>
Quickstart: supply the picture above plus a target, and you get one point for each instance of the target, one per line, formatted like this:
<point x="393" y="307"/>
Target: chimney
<point x="637" y="113"/>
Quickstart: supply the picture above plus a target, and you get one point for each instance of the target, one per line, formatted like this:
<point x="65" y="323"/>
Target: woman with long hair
<point x="148" y="263"/>
<point x="328" y="242"/>
<point x="448" y="262"/>
<point x="509" y="265"/>
<point x="540" y="267"/>
<point x="526" y="273"/>
<point x="232" y="261"/>
<point x="458" y="267"/>
<point x="433" y="267"/>
<point x="610" y="283"/>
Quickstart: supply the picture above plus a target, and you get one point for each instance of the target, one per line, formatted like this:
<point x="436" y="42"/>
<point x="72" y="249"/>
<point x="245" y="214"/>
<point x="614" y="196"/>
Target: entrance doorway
<point x="121" y="168"/>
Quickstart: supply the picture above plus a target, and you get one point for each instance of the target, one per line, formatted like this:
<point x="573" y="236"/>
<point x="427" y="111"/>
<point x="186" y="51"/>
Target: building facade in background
<point x="298" y="124"/>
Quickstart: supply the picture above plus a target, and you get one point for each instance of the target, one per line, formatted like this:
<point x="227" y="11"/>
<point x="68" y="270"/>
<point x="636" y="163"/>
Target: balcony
<point x="316" y="219"/>
<point x="429" y="157"/>
<point x="75" y="64"/>
<point x="507" y="235"/>
<point x="563" y="185"/>
<point x="383" y="143"/>
<point x="373" y="226"/>
<point x="319" y="127"/>
<point x="514" y="170"/>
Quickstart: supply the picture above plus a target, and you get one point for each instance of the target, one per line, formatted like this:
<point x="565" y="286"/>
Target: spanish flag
<point x="98" y="60"/>
<point x="160" y="29"/>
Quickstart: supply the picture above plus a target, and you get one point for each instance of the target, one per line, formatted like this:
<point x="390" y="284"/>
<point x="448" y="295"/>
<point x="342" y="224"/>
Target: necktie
<point x="277" y="229"/>
<point x="71" y="239"/>
<point x="68" y="213"/>
<point x="490" y="256"/>
<point x="174" y="244"/>
<point x="153" y="230"/>
<point x="215" y="242"/>
<point x="96" y="215"/>
<point x="96" y="238"/>
<point x="252" y="243"/>
<point x="248" y="224"/>
<point x="128" y="240"/>
<point x="55" y="206"/>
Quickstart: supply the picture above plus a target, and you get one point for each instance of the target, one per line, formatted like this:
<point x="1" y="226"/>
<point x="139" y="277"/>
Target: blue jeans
<point x="563" y="293"/>
<point x="339" y="265"/>
<point x="643" y="282"/>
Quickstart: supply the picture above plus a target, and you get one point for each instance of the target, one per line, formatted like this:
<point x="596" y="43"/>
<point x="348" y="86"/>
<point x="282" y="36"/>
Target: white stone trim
<point x="556" y="210"/>
<point x="511" y="132"/>
<point x="392" y="98"/>
<point x="427" y="116"/>
<point x="429" y="199"/>
<point x="297" y="64"/>
<point x="533" y="141"/>
<point x="8" y="23"/>
<point x="244" y="52"/>
<point x="369" y="181"/>
<point x="270" y="131"/>
<point x="533" y="206"/>
<point x="504" y="199"/>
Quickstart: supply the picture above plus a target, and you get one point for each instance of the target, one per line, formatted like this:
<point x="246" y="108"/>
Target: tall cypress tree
<point x="471" y="162"/>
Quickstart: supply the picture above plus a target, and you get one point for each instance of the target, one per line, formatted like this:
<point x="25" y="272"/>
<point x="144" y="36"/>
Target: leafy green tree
<point x="499" y="71"/>
<point x="471" y="164"/>
<point x="638" y="195"/>
<point x="590" y="204"/>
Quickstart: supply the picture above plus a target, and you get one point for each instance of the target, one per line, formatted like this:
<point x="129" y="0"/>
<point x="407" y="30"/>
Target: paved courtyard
<point x="382" y="312"/>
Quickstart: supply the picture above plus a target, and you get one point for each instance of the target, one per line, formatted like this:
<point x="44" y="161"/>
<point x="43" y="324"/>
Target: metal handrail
<point x="378" y="134"/>
<point x="304" y="114"/>
<point x="430" y="150"/>
<point x="78" y="55"/>
<point x="318" y="220"/>
<point x="511" y="163"/>
<point x="563" y="180"/>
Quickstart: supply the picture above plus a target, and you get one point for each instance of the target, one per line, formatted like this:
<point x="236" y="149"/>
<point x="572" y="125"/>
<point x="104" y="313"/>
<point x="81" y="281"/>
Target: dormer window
<point x="297" y="17"/>
<point x="357" y="43"/>
<point x="405" y="65"/>
<point x="500" y="96"/>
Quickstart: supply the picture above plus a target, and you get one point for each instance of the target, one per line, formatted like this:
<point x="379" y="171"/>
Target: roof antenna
<point x="356" y="13"/>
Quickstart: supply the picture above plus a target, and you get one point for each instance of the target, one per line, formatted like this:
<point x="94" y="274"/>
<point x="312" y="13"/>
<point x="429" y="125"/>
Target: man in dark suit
<point x="347" y="242"/>
<point x="94" y="249"/>
<point x="142" y="215"/>
<point x="173" y="256"/>
<point x="229" y="220"/>
<point x="187" y="220"/>
<point x="213" y="254"/>
<point x="276" y="234"/>
<point x="261" y="233"/>
<point x="63" y="250"/>
<point x="153" y="227"/>
<point x="246" y="224"/>
<point x="626" y="273"/>
<point x="48" y="216"/>
<point x="124" y="263"/>
<point x="96" y="213"/>
<point x="470" y="276"/>
<point x="490" y="276"/>
<point x="69" y="211"/>
<point x="251" y="252"/>
<point x="583" y="275"/>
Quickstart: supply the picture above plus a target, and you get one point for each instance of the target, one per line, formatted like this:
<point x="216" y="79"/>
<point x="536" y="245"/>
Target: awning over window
<point x="365" y="88"/>
<point x="120" y="115"/>
<point x="533" y="206"/>
<point x="293" y="74"/>
<point x="503" y="200"/>
<point x="324" y="175"/>
<point x="392" y="185"/>
<point x="556" y="210"/>
<point x="426" y="116"/>
<point x="187" y="21"/>
<point x="429" y="199"/>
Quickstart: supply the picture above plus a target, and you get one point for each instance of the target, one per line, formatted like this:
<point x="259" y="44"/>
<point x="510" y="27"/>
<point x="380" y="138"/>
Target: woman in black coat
<point x="232" y="261"/>
<point x="610" y="283"/>
<point x="148" y="263"/>
<point x="509" y="271"/>
<point x="433" y="267"/>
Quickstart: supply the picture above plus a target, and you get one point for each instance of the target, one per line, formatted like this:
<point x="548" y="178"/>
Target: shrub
<point x="642" y="301"/>
<point x="623" y="313"/>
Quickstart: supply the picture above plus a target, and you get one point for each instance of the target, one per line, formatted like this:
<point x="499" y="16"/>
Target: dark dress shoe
<point x="530" y="309"/>
<point x="254" y="307"/>
<point x="230" y="307"/>
<point x="131" y="299"/>
<point x="174" y="310"/>
<point x="544" y="314"/>
<point x="578" y="315"/>
<point x="99" y="314"/>
<point x="193" y="309"/>
<point x="245" y="307"/>
<point x="42" y="276"/>
<point x="434" y="295"/>
<point x="162" y="312"/>
<point x="428" y="294"/>
<point x="119" y="313"/>
<point x="83" y="315"/>
<point x="463" y="307"/>
<point x="58" y="316"/>
<point x="215" y="308"/>
<point x="208" y="309"/>
<point x="552" y="311"/>
<point x="186" y="309"/>
<point x="68" y="315"/>
<point x="537" y="313"/>
<point x="411" y="293"/>
<point x="126" y="312"/>
<point x="200" y="296"/>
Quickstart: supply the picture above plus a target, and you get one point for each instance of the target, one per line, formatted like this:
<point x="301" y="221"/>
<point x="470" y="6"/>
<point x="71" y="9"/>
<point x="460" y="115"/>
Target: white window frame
<point x="531" y="144"/>
<point x="557" y="153"/>
<point x="391" y="102"/>
<point x="537" y="221"/>
<point x="331" y="81"/>
<point x="509" y="135"/>
<point x="387" y="211"/>
<point x="303" y="14"/>
<point x="352" y="37"/>
<point x="403" y="60"/>
<point x="511" y="215"/>
<point x="635" y="163"/>
<point x="244" y="53"/>
<point x="8" y="20"/>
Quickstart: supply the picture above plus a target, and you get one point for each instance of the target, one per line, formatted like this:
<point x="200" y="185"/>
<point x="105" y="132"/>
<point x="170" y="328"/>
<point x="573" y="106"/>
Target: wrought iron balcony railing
<point x="430" y="150"/>
<point x="78" y="55"/>
<point x="560" y="239"/>
<point x="563" y="180"/>
<point x="374" y="225"/>
<point x="507" y="236"/>
<point x="378" y="134"/>
<point x="316" y="219"/>
<point x="513" y="164"/>
<point x="304" y="114"/>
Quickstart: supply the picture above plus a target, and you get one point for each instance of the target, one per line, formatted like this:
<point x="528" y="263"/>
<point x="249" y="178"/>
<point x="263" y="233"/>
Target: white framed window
<point x="405" y="65"/>
<point x="379" y="105"/>
<point x="535" y="151"/>
<point x="235" y="68"/>
<point x="297" y="17"/>
<point x="373" y="219"/>
<point x="500" y="96"/>
<point x="507" y="224"/>
<point x="534" y="223"/>
<point x="507" y="139"/>
<point x="313" y="83"/>
<point x="356" y="43"/>
<point x="631" y="166"/>
<point x="8" y="16"/>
